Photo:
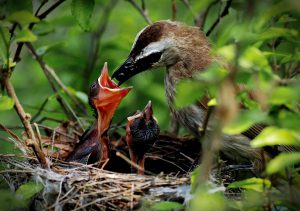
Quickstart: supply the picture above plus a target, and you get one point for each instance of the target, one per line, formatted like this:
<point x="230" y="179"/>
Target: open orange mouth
<point x="108" y="98"/>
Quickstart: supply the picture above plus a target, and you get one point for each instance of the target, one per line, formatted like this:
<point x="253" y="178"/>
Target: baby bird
<point x="104" y="97"/>
<point x="142" y="131"/>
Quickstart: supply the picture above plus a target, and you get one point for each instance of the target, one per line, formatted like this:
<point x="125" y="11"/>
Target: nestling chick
<point x="184" y="51"/>
<point x="104" y="97"/>
<point x="142" y="131"/>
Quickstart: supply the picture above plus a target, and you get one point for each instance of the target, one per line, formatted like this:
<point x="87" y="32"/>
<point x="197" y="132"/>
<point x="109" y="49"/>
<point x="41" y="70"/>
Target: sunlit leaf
<point x="82" y="11"/>
<point x="282" y="161"/>
<point x="6" y="103"/>
<point x="212" y="102"/>
<point x="166" y="206"/>
<point x="82" y="97"/>
<point x="244" y="121"/>
<point x="29" y="189"/>
<point x="25" y="36"/>
<point x="276" y="136"/>
<point x="23" y="17"/>
<point x="256" y="184"/>
<point x="284" y="95"/>
<point x="227" y="52"/>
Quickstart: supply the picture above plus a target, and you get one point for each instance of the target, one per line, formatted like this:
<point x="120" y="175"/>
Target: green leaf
<point x="28" y="190"/>
<point x="282" y="161"/>
<point x="25" y="36"/>
<point x="188" y="92"/>
<point x="9" y="201"/>
<point x="167" y="205"/>
<point x="284" y="96"/>
<point x="82" y="11"/>
<point x="276" y="136"/>
<point x="244" y="121"/>
<point x="213" y="74"/>
<point x="23" y="17"/>
<point x="275" y="32"/>
<point x="256" y="184"/>
<point x="6" y="103"/>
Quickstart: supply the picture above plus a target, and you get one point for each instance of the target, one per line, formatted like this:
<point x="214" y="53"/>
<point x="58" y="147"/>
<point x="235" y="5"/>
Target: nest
<point x="72" y="186"/>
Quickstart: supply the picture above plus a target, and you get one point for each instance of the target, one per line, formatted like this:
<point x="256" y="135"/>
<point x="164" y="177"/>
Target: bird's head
<point x="164" y="44"/>
<point x="143" y="125"/>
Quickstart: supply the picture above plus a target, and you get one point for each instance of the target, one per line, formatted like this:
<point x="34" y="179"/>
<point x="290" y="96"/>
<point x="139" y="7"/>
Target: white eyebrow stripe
<point x="155" y="47"/>
<point x="137" y="36"/>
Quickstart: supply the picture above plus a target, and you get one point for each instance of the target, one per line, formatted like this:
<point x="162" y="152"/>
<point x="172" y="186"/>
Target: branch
<point x="38" y="153"/>
<point x="202" y="17"/>
<point x="221" y="15"/>
<point x="141" y="11"/>
<point x="174" y="9"/>
<point x="25" y="117"/>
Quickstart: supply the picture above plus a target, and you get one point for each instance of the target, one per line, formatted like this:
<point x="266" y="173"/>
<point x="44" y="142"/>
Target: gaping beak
<point x="148" y="111"/>
<point x="108" y="99"/>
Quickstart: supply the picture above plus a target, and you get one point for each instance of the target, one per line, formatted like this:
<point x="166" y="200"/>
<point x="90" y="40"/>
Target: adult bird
<point x="104" y="98"/>
<point x="184" y="51"/>
<point x="142" y="131"/>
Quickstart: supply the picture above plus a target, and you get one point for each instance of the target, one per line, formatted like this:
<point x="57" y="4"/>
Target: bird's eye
<point x="150" y="59"/>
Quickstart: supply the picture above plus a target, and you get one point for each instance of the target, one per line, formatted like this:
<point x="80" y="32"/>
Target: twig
<point x="200" y="22"/>
<point x="221" y="15"/>
<point x="174" y="9"/>
<point x="96" y="39"/>
<point x="206" y="120"/>
<point x="40" y="109"/>
<point x="38" y="153"/>
<point x="141" y="11"/>
<point x="119" y="154"/>
<point x="25" y="117"/>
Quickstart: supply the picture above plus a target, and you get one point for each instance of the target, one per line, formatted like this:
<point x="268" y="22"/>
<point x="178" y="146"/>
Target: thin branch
<point x="174" y="10"/>
<point x="206" y="120"/>
<point x="221" y="15"/>
<point x="25" y="117"/>
<point x="10" y="133"/>
<point x="200" y="22"/>
<point x="38" y="153"/>
<point x="141" y="11"/>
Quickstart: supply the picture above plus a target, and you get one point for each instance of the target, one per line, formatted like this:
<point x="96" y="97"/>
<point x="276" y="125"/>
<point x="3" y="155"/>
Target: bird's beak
<point x="125" y="71"/>
<point x="130" y="68"/>
<point x="148" y="111"/>
<point x="108" y="99"/>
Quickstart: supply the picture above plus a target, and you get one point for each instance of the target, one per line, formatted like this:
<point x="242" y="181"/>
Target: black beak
<point x="125" y="71"/>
